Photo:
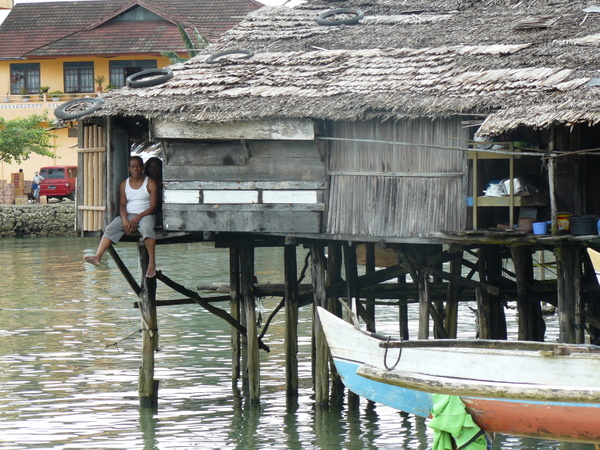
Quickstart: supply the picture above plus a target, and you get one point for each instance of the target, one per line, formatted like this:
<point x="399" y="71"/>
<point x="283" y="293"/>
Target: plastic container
<point x="584" y="225"/>
<point x="562" y="221"/>
<point x="540" y="227"/>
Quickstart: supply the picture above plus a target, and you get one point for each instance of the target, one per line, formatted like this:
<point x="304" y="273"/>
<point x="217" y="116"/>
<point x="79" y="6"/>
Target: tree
<point x="191" y="49"/>
<point x="22" y="136"/>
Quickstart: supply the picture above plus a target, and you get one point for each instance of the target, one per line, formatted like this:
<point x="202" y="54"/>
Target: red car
<point x="59" y="182"/>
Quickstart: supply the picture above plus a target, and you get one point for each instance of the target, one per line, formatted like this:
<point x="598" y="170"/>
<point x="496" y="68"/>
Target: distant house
<point x="68" y="47"/>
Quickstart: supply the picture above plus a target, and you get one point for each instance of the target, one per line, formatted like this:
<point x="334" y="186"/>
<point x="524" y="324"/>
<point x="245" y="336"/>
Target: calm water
<point x="70" y="352"/>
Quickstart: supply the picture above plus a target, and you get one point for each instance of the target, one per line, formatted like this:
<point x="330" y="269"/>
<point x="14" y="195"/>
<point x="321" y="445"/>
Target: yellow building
<point x="80" y="48"/>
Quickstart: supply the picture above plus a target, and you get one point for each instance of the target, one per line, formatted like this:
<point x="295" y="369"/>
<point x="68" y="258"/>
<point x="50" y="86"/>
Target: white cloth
<point x="138" y="200"/>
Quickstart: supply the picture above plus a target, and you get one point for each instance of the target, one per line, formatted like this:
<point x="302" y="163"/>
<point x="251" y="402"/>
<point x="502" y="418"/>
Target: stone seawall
<point x="32" y="220"/>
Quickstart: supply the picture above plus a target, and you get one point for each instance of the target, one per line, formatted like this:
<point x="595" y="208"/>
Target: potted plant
<point x="99" y="82"/>
<point x="44" y="92"/>
<point x="24" y="94"/>
<point x="56" y="95"/>
<point x="110" y="87"/>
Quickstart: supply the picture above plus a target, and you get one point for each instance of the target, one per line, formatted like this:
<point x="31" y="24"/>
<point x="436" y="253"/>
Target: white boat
<point x="540" y="390"/>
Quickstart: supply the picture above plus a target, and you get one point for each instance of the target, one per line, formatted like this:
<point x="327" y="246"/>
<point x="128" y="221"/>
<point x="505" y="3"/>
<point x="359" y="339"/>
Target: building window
<point x="79" y="77"/>
<point x="120" y="70"/>
<point x="25" y="76"/>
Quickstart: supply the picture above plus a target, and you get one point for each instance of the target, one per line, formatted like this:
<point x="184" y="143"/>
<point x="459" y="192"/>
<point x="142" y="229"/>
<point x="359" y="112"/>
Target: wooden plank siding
<point x="414" y="189"/>
<point x="244" y="186"/>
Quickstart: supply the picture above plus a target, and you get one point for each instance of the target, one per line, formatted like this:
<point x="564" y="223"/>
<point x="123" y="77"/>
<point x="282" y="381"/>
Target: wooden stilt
<point x="370" y="301"/>
<point x="566" y="267"/>
<point x="234" y="310"/>
<point x="531" y="325"/>
<point x="291" y="321"/>
<point x="353" y="294"/>
<point x="334" y="269"/>
<point x="246" y="285"/>
<point x="451" y="310"/>
<point x="321" y="367"/>
<point x="492" y="319"/>
<point x="578" y="306"/>
<point x="424" y="284"/>
<point x="147" y="386"/>
<point x="403" y="305"/>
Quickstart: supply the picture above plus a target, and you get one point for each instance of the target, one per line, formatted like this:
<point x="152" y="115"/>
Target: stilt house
<point x="384" y="122"/>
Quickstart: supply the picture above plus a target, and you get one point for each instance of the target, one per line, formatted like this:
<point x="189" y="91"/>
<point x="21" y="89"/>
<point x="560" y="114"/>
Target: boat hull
<point x="573" y="421"/>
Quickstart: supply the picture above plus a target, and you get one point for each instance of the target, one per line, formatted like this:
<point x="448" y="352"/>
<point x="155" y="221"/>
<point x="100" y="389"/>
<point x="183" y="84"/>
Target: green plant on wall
<point x="190" y="47"/>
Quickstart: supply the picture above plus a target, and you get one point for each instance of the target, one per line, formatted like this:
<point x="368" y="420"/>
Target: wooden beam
<point x="246" y="285"/>
<point x="291" y="321"/>
<point x="147" y="385"/>
<point x="321" y="352"/>
<point x="275" y="129"/>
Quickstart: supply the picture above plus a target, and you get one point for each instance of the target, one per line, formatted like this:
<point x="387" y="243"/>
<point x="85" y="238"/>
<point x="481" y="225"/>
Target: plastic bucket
<point x="584" y="225"/>
<point x="540" y="227"/>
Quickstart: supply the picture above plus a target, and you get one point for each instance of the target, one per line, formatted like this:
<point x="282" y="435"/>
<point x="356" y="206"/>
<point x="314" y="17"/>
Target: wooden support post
<point x="147" y="386"/>
<point x="370" y="268"/>
<point x="353" y="294"/>
<point x="492" y="319"/>
<point x="579" y="305"/>
<point x="423" y="284"/>
<point x="531" y="323"/>
<point x="350" y="268"/>
<point x="403" y="305"/>
<point x="321" y="366"/>
<point x="291" y="321"/>
<point x="234" y="310"/>
<point x="566" y="266"/>
<point x="246" y="285"/>
<point x="451" y="311"/>
<point x="334" y="270"/>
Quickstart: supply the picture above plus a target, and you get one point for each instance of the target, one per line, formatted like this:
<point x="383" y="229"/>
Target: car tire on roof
<point x="78" y="107"/>
<point x="215" y="58"/>
<point x="150" y="77"/>
<point x="357" y="15"/>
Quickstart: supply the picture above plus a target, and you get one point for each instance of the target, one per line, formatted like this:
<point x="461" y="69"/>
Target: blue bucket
<point x="540" y="227"/>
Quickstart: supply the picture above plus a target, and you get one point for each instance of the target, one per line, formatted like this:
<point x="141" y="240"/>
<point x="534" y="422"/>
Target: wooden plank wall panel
<point x="400" y="206"/>
<point x="94" y="161"/>
<point x="196" y="219"/>
<point x="267" y="161"/>
<point x="250" y="186"/>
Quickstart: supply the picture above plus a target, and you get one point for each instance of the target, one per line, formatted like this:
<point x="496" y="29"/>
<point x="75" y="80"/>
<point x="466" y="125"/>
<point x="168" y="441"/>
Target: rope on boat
<point x="385" y="356"/>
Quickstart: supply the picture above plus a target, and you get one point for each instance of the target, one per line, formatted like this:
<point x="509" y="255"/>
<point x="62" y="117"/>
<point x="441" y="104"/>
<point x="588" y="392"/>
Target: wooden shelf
<point x="517" y="200"/>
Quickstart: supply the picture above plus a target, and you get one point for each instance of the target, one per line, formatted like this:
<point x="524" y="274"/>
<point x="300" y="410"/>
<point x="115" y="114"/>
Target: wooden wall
<point x="378" y="189"/>
<point x="247" y="186"/>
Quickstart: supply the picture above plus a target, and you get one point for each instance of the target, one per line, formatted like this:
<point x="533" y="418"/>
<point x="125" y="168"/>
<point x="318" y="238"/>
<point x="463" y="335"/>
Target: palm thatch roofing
<point x="516" y="62"/>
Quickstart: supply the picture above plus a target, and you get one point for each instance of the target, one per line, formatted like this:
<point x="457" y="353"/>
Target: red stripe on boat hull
<point x="542" y="420"/>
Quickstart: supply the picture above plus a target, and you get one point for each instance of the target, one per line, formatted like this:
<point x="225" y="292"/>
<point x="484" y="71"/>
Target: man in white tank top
<point x="138" y="199"/>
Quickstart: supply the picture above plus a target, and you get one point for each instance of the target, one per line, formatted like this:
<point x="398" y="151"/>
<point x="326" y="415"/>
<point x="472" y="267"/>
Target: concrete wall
<point x="51" y="220"/>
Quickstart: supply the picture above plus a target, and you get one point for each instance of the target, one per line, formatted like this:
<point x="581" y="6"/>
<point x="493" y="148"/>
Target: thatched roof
<point x="531" y="60"/>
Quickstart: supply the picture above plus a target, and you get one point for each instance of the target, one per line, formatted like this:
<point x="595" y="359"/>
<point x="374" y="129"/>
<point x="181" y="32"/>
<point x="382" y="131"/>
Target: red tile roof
<point x="53" y="29"/>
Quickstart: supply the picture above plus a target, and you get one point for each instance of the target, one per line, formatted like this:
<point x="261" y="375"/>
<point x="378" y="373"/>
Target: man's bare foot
<point x="151" y="272"/>
<point x="92" y="260"/>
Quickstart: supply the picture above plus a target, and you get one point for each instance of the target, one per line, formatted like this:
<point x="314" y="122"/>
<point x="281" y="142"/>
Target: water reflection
<point x="70" y="353"/>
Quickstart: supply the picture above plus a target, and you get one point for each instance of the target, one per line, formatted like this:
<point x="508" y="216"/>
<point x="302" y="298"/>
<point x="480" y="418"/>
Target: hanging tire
<point x="150" y="77"/>
<point x="214" y="59"/>
<point x="78" y="107"/>
<point x="322" y="19"/>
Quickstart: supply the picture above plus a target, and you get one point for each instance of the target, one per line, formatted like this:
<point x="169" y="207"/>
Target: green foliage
<point x="22" y="136"/>
<point x="192" y="50"/>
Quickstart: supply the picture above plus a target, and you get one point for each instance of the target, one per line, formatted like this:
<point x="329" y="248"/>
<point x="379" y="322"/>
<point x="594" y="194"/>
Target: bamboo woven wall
<point x="93" y="154"/>
<point x="378" y="189"/>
